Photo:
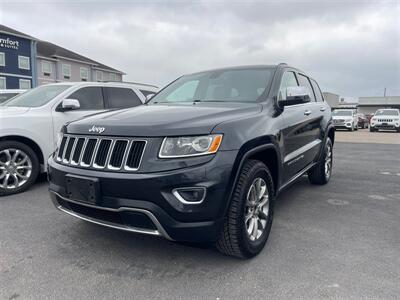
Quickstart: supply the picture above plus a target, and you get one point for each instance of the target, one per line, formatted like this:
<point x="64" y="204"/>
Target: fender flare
<point x="240" y="159"/>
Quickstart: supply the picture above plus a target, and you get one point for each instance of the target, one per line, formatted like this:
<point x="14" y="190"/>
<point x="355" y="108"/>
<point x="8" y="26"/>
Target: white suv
<point x="30" y="123"/>
<point x="385" y="119"/>
<point x="345" y="119"/>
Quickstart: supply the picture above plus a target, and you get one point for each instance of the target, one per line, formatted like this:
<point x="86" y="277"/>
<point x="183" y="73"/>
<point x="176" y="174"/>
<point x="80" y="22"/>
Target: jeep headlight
<point x="187" y="146"/>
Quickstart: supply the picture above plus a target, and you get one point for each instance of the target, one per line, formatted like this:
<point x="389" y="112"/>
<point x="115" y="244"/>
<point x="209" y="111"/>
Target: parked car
<point x="202" y="162"/>
<point x="387" y="119"/>
<point x="363" y="121"/>
<point x="8" y="94"/>
<point x="345" y="119"/>
<point x="30" y="124"/>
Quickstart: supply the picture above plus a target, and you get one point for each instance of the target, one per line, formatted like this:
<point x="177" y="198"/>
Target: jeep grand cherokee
<point x="202" y="162"/>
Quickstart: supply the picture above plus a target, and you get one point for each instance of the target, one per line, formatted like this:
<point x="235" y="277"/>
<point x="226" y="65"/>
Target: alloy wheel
<point x="257" y="209"/>
<point x="328" y="161"/>
<point x="15" y="168"/>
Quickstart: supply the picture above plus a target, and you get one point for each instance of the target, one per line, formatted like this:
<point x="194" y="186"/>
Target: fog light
<point x="190" y="195"/>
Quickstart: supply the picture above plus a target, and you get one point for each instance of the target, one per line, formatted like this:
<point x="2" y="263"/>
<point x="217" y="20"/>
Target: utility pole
<point x="384" y="92"/>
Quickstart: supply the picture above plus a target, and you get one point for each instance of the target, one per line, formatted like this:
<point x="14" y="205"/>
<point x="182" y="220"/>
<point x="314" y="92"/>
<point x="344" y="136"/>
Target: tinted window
<point x="230" y="85"/>
<point x="317" y="91"/>
<point x="303" y="80"/>
<point x="288" y="79"/>
<point x="89" y="97"/>
<point x="122" y="98"/>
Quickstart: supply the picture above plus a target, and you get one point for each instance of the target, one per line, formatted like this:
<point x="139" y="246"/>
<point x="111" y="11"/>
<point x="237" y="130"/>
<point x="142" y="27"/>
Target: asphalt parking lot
<point x="336" y="241"/>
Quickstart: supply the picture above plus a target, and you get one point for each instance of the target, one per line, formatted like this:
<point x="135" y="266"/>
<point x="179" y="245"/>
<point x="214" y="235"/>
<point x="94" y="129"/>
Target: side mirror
<point x="296" y="95"/>
<point x="70" y="104"/>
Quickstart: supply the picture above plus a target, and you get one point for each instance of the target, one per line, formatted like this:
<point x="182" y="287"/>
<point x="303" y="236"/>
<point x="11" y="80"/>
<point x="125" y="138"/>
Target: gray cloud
<point x="350" y="47"/>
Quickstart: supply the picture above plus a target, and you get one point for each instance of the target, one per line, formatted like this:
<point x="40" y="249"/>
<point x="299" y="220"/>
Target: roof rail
<point x="144" y="84"/>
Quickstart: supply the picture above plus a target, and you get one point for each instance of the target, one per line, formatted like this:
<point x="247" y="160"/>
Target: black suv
<point x="202" y="162"/>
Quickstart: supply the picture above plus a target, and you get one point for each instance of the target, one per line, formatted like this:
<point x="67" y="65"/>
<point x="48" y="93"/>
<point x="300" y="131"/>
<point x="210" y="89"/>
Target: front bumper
<point x="144" y="203"/>
<point x="388" y="125"/>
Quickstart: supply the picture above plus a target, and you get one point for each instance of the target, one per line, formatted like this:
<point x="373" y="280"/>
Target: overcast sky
<point x="351" y="47"/>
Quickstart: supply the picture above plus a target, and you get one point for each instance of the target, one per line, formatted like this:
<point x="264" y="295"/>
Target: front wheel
<point x="19" y="167"/>
<point x="249" y="217"/>
<point x="322" y="171"/>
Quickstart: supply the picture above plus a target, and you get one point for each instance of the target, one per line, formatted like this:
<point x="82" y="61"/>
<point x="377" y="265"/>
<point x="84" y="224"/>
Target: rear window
<point x="122" y="98"/>
<point x="317" y="91"/>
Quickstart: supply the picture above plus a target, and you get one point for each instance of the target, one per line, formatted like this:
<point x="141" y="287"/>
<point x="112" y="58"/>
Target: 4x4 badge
<point x="96" y="129"/>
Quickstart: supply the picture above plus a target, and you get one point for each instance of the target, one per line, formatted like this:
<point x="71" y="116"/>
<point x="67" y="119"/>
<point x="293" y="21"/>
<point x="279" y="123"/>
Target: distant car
<point x="8" y="94"/>
<point x="345" y="119"/>
<point x="387" y="119"/>
<point x="363" y="121"/>
<point x="30" y="123"/>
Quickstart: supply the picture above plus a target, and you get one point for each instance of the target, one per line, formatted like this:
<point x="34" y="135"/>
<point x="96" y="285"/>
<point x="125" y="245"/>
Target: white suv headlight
<point x="190" y="146"/>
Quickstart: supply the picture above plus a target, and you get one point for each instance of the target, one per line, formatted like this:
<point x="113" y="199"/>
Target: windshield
<point x="387" y="112"/>
<point x="234" y="85"/>
<point x="342" y="113"/>
<point x="37" y="97"/>
<point x="6" y="96"/>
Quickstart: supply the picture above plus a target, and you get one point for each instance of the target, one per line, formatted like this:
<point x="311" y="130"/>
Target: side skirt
<point x="295" y="177"/>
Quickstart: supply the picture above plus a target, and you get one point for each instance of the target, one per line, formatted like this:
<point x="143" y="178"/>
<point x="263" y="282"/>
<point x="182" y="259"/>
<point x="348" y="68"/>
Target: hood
<point x="163" y="119"/>
<point x="6" y="111"/>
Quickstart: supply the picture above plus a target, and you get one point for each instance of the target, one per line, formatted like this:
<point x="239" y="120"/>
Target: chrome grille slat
<point x="102" y="153"/>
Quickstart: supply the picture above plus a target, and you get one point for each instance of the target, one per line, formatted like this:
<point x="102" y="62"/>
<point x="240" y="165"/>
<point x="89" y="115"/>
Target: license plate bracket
<point x="82" y="189"/>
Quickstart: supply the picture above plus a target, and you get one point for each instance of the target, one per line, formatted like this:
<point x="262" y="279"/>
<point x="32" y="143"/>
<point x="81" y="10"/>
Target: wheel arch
<point x="27" y="141"/>
<point x="268" y="153"/>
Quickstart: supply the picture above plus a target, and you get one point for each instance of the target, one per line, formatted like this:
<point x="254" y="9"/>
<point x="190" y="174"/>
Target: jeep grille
<point x="106" y="153"/>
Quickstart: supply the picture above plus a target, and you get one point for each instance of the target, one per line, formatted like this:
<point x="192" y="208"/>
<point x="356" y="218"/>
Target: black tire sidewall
<point x="252" y="248"/>
<point x="35" y="165"/>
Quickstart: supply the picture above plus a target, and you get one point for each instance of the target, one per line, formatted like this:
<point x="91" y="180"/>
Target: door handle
<point x="322" y="108"/>
<point x="307" y="112"/>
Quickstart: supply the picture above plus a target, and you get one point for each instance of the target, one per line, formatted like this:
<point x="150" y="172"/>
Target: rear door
<point x="119" y="97"/>
<point x="302" y="127"/>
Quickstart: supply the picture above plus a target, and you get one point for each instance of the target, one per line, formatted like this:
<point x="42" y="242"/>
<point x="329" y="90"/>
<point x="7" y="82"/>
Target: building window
<point x="66" y="71"/>
<point x="46" y="67"/>
<point x="24" y="62"/>
<point x="99" y="75"/>
<point x="84" y="74"/>
<point x="3" y="83"/>
<point x="113" y="77"/>
<point x="2" y="59"/>
<point x="24" y="84"/>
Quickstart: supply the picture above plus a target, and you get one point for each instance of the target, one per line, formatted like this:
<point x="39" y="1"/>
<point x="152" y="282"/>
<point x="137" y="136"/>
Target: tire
<point x="398" y="129"/>
<point x="321" y="173"/>
<point x="235" y="239"/>
<point x="23" y="166"/>
<point x="371" y="129"/>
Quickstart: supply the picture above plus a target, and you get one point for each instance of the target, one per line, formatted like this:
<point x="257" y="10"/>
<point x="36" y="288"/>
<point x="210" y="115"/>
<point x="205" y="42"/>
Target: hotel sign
<point x="9" y="43"/>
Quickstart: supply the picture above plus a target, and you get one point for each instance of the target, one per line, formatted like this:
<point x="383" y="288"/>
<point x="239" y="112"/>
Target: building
<point x="27" y="62"/>
<point x="17" y="59"/>
<point x="369" y="105"/>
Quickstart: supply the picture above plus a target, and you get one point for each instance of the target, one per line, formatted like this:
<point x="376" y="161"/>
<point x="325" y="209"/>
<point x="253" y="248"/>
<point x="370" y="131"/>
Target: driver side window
<point x="288" y="79"/>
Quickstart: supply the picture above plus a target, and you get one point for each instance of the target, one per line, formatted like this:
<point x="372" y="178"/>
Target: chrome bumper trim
<point x="159" y="232"/>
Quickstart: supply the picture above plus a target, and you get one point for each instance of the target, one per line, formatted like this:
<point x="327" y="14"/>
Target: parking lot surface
<point x="341" y="240"/>
<point x="364" y="136"/>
